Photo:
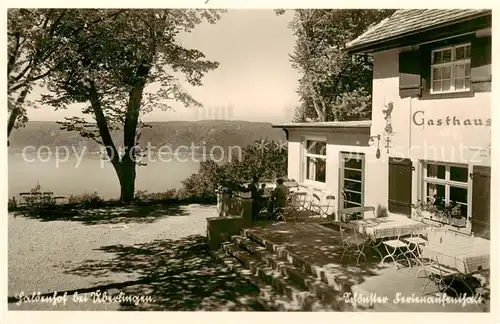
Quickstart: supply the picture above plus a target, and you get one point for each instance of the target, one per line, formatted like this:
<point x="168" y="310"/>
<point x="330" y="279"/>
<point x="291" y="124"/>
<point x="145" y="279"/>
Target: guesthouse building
<point x="426" y="150"/>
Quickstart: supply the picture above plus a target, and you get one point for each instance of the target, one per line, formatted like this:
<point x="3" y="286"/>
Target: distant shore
<point x="165" y="157"/>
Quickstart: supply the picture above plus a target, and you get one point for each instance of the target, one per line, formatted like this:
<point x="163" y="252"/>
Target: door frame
<point x="361" y="156"/>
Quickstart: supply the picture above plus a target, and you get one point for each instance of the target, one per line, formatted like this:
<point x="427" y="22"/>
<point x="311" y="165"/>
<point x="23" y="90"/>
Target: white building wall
<point x="410" y="118"/>
<point x="413" y="137"/>
<point x="353" y="141"/>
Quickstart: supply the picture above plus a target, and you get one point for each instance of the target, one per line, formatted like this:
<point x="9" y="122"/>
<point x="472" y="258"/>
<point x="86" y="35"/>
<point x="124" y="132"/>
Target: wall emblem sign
<point x="388" y="131"/>
<point x="387" y="117"/>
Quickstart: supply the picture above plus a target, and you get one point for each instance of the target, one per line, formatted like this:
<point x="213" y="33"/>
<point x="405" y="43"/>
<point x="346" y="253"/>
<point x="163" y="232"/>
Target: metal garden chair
<point x="395" y="246"/>
<point x="444" y="277"/>
<point x="353" y="242"/>
<point x="323" y="209"/>
<point x="415" y="241"/>
<point x="296" y="203"/>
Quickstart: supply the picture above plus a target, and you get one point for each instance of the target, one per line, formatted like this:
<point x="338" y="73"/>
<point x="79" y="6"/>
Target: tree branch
<point x="23" y="72"/>
<point x="14" y="54"/>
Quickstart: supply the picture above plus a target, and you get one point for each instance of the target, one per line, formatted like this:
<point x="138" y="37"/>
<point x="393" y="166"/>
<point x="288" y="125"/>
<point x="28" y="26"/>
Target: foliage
<point x="438" y="209"/>
<point x="265" y="159"/>
<point x="333" y="84"/>
<point x="11" y="203"/>
<point x="144" y="195"/>
<point x="86" y="200"/>
<point x="382" y="211"/>
<point x="353" y="105"/>
<point x="114" y="63"/>
<point x="203" y="183"/>
<point x="32" y="44"/>
<point x="37" y="200"/>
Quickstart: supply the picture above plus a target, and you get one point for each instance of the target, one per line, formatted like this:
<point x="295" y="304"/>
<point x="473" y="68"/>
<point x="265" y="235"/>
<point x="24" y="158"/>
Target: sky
<point x="254" y="81"/>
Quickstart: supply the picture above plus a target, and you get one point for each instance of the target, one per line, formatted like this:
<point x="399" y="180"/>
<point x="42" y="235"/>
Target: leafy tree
<point x="36" y="38"/>
<point x="333" y="85"/>
<point x="123" y="67"/>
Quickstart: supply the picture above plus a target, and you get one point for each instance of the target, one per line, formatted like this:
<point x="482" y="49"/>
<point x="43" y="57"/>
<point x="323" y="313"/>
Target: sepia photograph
<point x="249" y="160"/>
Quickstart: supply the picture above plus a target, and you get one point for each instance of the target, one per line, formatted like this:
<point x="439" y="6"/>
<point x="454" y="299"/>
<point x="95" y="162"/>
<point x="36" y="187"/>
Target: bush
<point x="37" y="200"/>
<point x="86" y="199"/>
<point x="382" y="211"/>
<point x="265" y="159"/>
<point x="144" y="195"/>
<point x="202" y="184"/>
<point x="12" y="203"/>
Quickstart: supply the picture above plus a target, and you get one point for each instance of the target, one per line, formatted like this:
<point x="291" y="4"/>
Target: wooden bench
<point x="37" y="199"/>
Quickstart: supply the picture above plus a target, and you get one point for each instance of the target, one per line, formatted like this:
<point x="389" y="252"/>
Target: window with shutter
<point x="456" y="67"/>
<point x="446" y="187"/>
<point x="450" y="69"/>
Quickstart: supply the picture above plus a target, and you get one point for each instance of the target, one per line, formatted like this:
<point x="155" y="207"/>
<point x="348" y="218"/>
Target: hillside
<point x="174" y="134"/>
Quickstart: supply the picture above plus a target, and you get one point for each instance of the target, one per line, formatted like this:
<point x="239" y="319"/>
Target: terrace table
<point x="390" y="226"/>
<point x="466" y="254"/>
<point x="381" y="228"/>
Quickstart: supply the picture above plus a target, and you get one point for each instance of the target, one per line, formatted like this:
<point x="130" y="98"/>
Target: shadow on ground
<point x="179" y="275"/>
<point x="320" y="247"/>
<point x="118" y="214"/>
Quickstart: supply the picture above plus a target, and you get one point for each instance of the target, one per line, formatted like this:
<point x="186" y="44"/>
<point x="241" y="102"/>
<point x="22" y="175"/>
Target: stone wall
<point x="220" y="229"/>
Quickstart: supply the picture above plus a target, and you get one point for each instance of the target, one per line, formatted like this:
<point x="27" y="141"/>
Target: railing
<point x="229" y="205"/>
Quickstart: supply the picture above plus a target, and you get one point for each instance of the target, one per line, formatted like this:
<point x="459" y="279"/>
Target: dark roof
<point x="334" y="124"/>
<point x="411" y="21"/>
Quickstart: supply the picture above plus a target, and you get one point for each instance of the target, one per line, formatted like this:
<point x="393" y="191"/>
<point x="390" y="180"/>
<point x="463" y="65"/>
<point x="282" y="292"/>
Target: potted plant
<point x="423" y="210"/>
<point x="436" y="209"/>
<point x="455" y="213"/>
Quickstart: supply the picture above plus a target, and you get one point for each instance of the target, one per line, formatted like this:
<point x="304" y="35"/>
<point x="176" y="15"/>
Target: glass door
<point x="351" y="176"/>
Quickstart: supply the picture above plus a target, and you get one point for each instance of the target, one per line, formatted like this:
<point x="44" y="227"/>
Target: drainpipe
<point x="410" y="156"/>
<point x="409" y="131"/>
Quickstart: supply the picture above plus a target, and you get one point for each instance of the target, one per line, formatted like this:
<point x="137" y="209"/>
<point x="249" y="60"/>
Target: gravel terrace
<point x="161" y="258"/>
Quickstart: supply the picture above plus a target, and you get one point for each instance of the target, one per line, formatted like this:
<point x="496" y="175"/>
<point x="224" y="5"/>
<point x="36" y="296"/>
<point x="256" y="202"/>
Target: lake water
<point x="92" y="174"/>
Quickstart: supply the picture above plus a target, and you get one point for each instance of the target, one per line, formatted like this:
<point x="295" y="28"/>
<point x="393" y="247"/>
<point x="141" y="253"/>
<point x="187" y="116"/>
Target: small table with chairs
<point x="400" y="236"/>
<point x="456" y="261"/>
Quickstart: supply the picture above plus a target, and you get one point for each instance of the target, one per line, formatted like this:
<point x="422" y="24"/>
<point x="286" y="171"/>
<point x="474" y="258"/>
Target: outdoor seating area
<point x="402" y="254"/>
<point x="300" y="203"/>
<point x="444" y="258"/>
<point x="439" y="260"/>
<point x="433" y="259"/>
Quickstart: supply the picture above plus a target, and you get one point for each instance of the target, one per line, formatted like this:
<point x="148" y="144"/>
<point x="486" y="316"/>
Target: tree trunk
<point x="11" y="122"/>
<point x="16" y="110"/>
<point x="319" y="111"/>
<point x="129" y="161"/>
<point x="127" y="180"/>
